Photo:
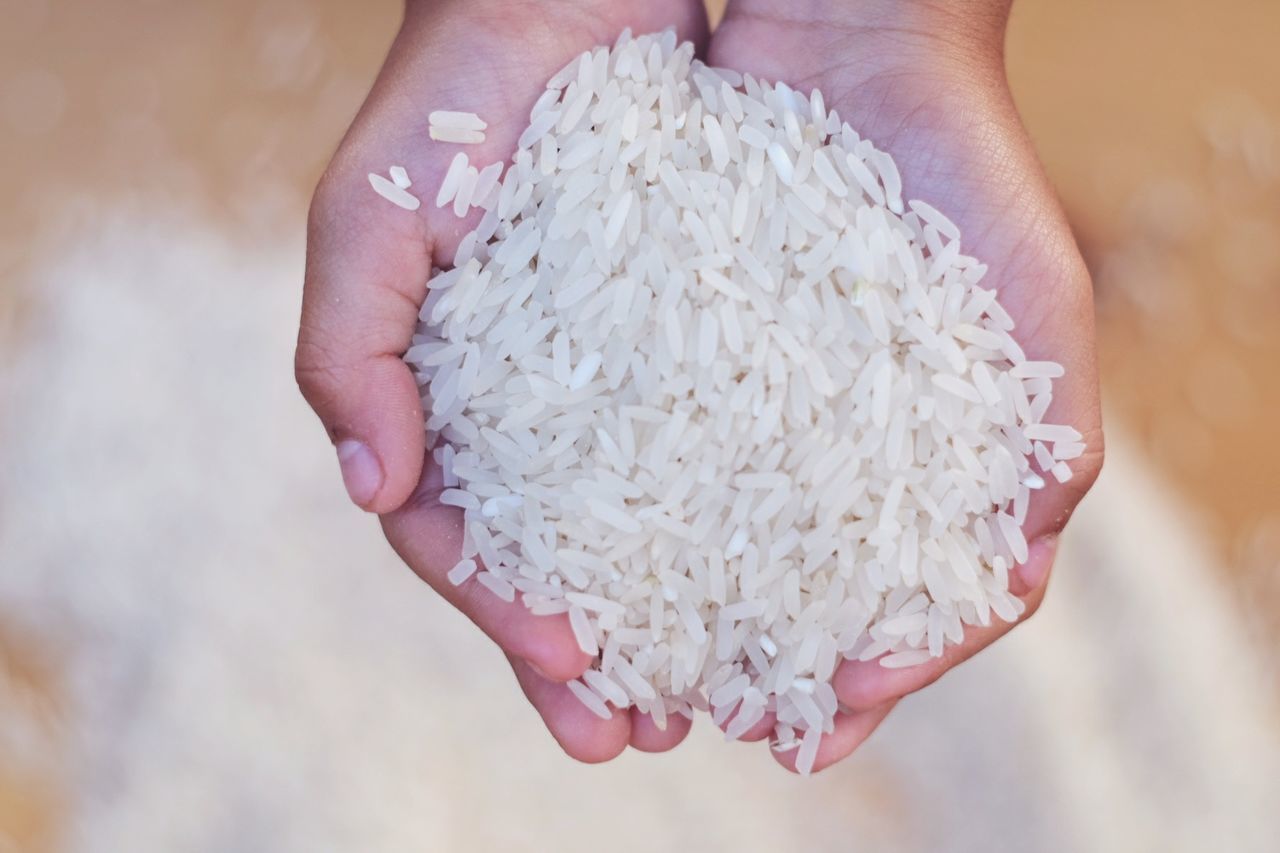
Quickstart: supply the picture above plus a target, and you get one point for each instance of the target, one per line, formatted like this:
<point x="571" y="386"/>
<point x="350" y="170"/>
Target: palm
<point x="952" y="128"/>
<point x="491" y="59"/>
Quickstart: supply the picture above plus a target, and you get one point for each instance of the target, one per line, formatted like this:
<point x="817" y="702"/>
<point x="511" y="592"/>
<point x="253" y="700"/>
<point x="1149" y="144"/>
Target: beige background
<point x="1159" y="121"/>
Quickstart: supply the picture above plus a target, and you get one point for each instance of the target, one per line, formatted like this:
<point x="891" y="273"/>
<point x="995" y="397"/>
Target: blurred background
<point x="203" y="648"/>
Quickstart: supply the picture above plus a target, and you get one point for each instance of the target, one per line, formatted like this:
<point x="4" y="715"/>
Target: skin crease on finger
<point x="938" y="104"/>
<point x="580" y="733"/>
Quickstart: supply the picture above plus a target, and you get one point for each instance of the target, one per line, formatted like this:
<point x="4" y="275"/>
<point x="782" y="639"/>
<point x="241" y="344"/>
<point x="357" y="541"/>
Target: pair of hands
<point x="924" y="80"/>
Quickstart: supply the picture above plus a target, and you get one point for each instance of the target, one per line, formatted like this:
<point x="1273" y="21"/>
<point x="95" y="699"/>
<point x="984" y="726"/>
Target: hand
<point x="959" y="145"/>
<point x="367" y="267"/>
<point x="925" y="81"/>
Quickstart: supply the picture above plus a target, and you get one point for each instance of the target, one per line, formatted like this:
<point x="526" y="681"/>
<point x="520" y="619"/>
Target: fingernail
<point x="1040" y="555"/>
<point x="361" y="471"/>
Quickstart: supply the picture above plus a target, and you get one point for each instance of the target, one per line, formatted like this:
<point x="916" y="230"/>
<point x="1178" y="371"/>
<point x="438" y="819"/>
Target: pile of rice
<point x="702" y="381"/>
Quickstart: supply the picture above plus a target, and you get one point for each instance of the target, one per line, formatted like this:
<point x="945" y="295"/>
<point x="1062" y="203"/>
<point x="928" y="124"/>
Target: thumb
<point x="367" y="268"/>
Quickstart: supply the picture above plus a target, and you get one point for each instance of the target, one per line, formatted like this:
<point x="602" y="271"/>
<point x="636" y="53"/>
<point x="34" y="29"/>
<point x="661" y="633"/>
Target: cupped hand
<point x="923" y="81"/>
<point x="368" y="263"/>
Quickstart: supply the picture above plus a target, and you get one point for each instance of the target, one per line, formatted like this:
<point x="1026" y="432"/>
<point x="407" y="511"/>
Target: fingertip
<point x="647" y="737"/>
<point x="582" y="735"/>
<point x="850" y="732"/>
<point x="361" y="471"/>
<point x="599" y="756"/>
<point x="786" y="759"/>
<point x="863" y="685"/>
<point x="371" y="484"/>
<point x="393" y="494"/>
<point x="1031" y="577"/>
<point x="852" y="682"/>
<point x="591" y="743"/>
<point x="397" y="436"/>
<point x="759" y="730"/>
<point x="556" y="656"/>
<point x="546" y="643"/>
<point x="373" y="415"/>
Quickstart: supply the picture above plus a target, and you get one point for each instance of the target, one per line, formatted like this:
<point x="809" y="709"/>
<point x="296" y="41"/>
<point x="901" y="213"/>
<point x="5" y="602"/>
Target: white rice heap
<point x="708" y="386"/>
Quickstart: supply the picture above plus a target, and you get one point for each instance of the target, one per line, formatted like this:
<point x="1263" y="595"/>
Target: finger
<point x="428" y="536"/>
<point x="580" y="733"/>
<point x="759" y="730"/>
<point x="366" y="272"/>
<point x="647" y="737"/>
<point x="368" y="262"/>
<point x="863" y="685"/>
<point x="851" y="731"/>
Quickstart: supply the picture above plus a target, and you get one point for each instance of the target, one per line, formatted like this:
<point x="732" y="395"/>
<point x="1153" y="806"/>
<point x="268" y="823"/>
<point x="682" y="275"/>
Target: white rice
<point x="450" y="126"/>
<point x="456" y="120"/>
<point x="452" y="179"/>
<point x="400" y="177"/>
<point x="467" y="183"/>
<point x="593" y="702"/>
<point x="463" y="570"/>
<point x="700" y="382"/>
<point x="394" y="193"/>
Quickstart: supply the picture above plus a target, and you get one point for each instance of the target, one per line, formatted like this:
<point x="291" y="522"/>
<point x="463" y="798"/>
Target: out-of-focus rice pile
<point x="1213" y="224"/>
<point x="1177" y="216"/>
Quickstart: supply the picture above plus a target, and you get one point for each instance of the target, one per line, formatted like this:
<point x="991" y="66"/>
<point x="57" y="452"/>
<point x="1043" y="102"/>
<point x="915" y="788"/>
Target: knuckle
<point x="1092" y="469"/>
<point x="1087" y="468"/>
<point x="323" y="202"/>
<point x="316" y="370"/>
<point x="307" y="364"/>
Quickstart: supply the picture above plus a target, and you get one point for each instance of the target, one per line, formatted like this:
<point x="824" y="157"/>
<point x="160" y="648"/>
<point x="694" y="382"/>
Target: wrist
<point x="966" y="30"/>
<point x="980" y="23"/>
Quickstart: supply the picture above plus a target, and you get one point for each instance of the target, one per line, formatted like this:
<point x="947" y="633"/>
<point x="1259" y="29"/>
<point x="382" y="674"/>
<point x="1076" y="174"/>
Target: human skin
<point x="924" y="80"/>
